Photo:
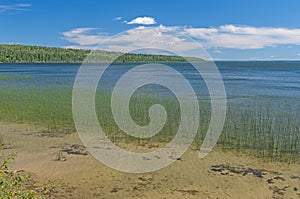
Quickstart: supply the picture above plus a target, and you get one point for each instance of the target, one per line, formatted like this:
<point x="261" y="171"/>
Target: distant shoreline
<point x="24" y="54"/>
<point x="79" y="63"/>
<point x="41" y="54"/>
<point x="116" y="62"/>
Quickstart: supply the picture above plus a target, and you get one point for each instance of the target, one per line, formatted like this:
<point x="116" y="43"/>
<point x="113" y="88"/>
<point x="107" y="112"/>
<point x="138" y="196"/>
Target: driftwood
<point x="75" y="149"/>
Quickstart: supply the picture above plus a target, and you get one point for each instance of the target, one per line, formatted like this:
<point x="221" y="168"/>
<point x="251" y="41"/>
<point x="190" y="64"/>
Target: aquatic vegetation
<point x="271" y="131"/>
<point x="13" y="77"/>
<point x="46" y="107"/>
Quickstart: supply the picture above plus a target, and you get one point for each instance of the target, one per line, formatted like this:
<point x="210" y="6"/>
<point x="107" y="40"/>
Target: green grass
<point x="263" y="131"/>
<point x="271" y="131"/>
<point x="13" y="77"/>
<point x="44" y="107"/>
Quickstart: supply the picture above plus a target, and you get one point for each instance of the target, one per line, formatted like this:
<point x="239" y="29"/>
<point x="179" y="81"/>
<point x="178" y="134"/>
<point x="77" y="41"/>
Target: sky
<point x="226" y="30"/>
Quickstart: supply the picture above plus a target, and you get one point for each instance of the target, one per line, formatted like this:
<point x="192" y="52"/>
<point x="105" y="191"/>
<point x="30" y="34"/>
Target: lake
<point x="245" y="79"/>
<point x="263" y="101"/>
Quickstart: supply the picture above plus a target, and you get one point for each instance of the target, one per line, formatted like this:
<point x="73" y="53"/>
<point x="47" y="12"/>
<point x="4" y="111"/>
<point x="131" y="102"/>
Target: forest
<point x="41" y="54"/>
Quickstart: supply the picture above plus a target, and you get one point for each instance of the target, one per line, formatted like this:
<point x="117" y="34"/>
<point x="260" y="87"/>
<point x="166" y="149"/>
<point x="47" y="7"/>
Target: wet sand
<point x="78" y="175"/>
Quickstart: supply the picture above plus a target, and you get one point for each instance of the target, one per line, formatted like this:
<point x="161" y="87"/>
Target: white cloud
<point x="171" y="37"/>
<point x="245" y="37"/>
<point x="84" y="36"/>
<point x="79" y="47"/>
<point x="217" y="51"/>
<point x="143" y="21"/>
<point x="159" y="37"/>
<point x="117" y="18"/>
<point x="14" y="7"/>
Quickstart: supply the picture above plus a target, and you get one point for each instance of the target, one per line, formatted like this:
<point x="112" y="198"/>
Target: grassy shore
<point x="257" y="150"/>
<point x="262" y="130"/>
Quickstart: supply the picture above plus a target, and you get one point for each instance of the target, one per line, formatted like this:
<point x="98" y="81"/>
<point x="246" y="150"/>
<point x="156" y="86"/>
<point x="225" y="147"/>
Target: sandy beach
<point x="76" y="174"/>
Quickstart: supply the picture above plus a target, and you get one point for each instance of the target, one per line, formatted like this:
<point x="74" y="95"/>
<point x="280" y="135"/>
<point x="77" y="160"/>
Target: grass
<point x="13" y="77"/>
<point x="268" y="131"/>
<point x="271" y="132"/>
<point x="60" y="156"/>
<point x="41" y="107"/>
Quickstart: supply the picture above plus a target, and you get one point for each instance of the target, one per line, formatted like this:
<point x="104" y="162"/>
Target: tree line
<point x="42" y="54"/>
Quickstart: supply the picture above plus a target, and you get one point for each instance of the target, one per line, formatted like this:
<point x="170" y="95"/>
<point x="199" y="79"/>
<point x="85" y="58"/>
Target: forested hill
<point x="41" y="54"/>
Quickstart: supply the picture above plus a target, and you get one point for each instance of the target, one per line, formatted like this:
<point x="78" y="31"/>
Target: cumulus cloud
<point x="85" y="37"/>
<point x="159" y="37"/>
<point x="14" y="7"/>
<point x="173" y="38"/>
<point x="245" y="37"/>
<point x="143" y="21"/>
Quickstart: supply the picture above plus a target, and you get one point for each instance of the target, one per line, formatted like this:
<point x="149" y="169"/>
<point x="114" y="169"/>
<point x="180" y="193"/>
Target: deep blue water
<point x="243" y="80"/>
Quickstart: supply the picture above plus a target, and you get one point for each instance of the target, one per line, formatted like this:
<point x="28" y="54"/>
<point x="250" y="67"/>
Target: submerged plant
<point x="268" y="131"/>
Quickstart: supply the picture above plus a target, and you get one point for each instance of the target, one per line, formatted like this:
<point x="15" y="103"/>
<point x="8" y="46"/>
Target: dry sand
<point x="219" y="175"/>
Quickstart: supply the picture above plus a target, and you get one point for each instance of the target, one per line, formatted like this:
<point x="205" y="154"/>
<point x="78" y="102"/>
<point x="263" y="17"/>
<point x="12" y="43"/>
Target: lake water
<point x="246" y="82"/>
<point x="241" y="79"/>
<point x="262" y="96"/>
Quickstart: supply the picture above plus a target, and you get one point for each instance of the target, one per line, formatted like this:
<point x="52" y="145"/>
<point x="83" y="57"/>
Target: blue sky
<point x="231" y="29"/>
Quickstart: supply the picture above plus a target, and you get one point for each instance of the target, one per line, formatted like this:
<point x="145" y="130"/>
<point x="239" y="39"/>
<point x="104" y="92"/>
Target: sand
<point x="222" y="174"/>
